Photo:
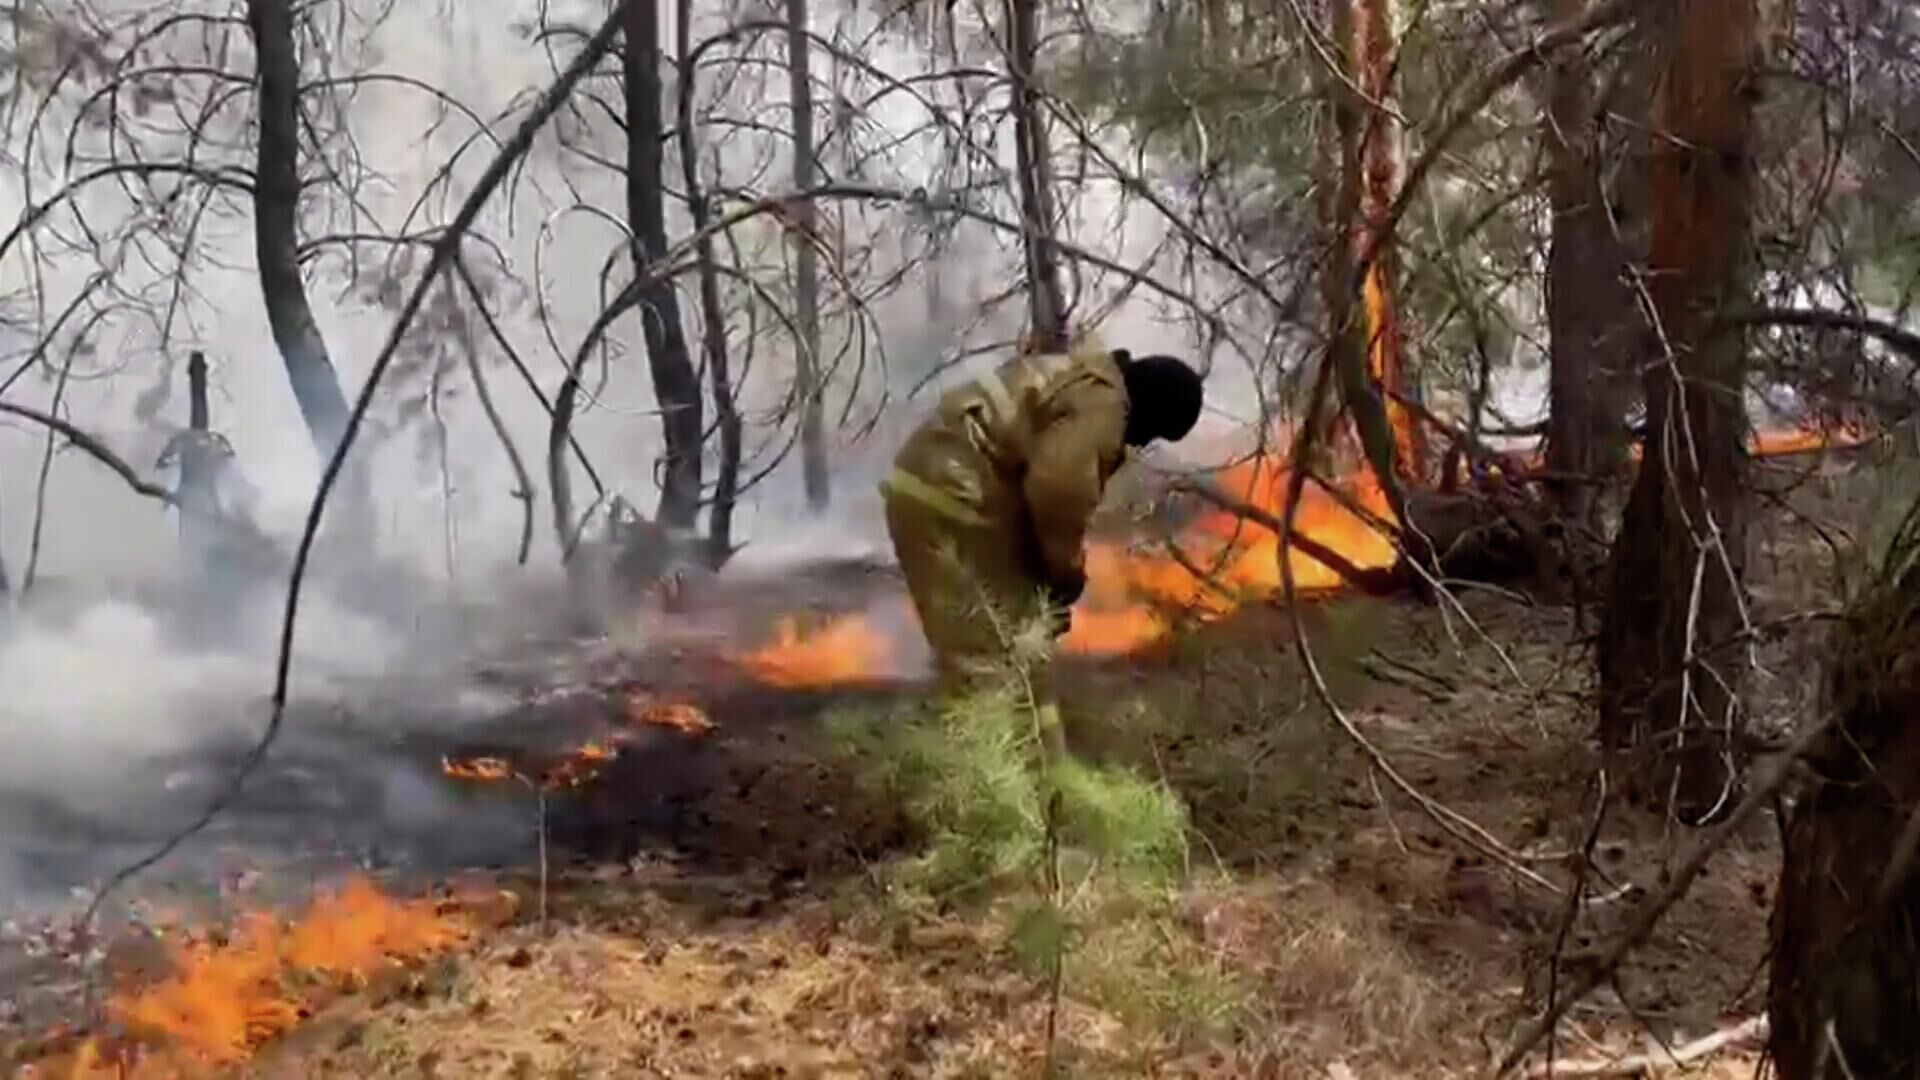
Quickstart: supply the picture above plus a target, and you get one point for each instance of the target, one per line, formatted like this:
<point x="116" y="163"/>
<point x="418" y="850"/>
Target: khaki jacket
<point x="1032" y="443"/>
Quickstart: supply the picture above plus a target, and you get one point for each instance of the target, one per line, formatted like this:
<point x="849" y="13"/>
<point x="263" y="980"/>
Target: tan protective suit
<point x="989" y="499"/>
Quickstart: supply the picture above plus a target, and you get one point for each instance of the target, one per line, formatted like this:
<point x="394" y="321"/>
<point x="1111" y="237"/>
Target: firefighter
<point x="989" y="499"/>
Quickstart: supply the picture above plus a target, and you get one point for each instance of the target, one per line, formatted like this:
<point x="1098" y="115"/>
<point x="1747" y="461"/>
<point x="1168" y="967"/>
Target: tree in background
<point x="1593" y="318"/>
<point x="676" y="385"/>
<point x="806" y="268"/>
<point x="1033" y="156"/>
<point x="276" y="216"/>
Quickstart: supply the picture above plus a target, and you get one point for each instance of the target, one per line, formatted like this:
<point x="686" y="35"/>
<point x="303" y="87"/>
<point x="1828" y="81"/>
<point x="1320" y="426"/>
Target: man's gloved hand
<point x="1061" y="596"/>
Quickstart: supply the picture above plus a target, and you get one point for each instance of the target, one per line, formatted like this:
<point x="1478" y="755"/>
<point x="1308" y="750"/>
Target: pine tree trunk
<point x="1592" y="317"/>
<point x="806" y="287"/>
<point x="676" y="385"/>
<point x="276" y="210"/>
<point x="1670" y="691"/>
<point x="1845" y="987"/>
<point x="1033" y="154"/>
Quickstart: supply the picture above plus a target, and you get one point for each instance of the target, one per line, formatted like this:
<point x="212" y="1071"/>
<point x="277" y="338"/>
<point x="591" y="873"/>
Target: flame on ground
<point x="1132" y="597"/>
<point x="847" y="649"/>
<point x="680" y="716"/>
<point x="574" y="768"/>
<point x="229" y="994"/>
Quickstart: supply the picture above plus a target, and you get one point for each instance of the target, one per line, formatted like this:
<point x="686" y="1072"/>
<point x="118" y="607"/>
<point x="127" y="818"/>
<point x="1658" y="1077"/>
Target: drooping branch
<point x="93" y="448"/>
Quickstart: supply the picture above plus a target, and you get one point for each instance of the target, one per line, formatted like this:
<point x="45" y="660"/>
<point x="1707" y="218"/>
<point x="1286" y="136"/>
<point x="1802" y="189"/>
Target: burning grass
<point x="228" y="992"/>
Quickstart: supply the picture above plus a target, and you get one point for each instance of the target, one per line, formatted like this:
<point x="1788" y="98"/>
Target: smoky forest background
<point x="447" y="625"/>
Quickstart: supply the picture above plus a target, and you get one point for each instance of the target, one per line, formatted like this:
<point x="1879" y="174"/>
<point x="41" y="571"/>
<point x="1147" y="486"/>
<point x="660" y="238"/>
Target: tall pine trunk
<point x="676" y="385"/>
<point x="1845" y="987"/>
<point x="806" y="286"/>
<point x="276" y="213"/>
<point x="1671" y="673"/>
<point x="1592" y="317"/>
<point x="1033" y="160"/>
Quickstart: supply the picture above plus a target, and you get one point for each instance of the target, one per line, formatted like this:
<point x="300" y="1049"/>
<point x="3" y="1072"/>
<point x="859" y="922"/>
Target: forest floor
<point x="1328" y="925"/>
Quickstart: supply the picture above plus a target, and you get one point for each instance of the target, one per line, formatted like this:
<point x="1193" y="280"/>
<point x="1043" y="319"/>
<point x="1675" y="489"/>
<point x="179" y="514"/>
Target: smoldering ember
<point x="1341" y="539"/>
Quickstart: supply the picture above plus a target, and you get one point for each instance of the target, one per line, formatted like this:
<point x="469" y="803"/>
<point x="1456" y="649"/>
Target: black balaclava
<point x="1163" y="397"/>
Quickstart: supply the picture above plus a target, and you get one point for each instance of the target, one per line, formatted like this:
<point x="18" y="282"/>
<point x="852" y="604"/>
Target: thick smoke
<point x="99" y="681"/>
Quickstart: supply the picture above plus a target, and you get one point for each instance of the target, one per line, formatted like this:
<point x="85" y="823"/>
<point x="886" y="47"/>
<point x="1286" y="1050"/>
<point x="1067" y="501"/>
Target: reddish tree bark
<point x="1670" y="689"/>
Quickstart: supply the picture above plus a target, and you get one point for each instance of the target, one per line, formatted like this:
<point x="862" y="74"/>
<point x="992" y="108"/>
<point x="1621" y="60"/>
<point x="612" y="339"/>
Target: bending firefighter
<point x="989" y="499"/>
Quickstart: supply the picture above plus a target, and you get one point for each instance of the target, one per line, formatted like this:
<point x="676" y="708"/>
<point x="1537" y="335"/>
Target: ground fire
<point x="228" y="993"/>
<point x="1133" y="598"/>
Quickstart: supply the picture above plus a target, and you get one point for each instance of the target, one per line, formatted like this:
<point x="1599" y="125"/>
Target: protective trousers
<point x="972" y="577"/>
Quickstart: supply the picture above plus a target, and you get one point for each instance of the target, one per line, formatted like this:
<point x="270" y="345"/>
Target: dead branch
<point x="1901" y="340"/>
<point x="93" y="448"/>
<point x="1749" y="1033"/>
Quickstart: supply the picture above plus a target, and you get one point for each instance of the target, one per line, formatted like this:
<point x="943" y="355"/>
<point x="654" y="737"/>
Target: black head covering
<point x="1163" y="397"/>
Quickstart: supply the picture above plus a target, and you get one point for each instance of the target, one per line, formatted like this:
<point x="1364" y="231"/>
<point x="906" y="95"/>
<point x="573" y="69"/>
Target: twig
<point x="1750" y="1032"/>
<point x="444" y="250"/>
<point x="1642" y="925"/>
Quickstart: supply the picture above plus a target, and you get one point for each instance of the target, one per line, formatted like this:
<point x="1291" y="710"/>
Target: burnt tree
<point x="1670" y="689"/>
<point x="1033" y="161"/>
<point x="806" y="269"/>
<point x="1592" y="316"/>
<point x="276" y="215"/>
<point x="1845" y="985"/>
<point x="726" y="481"/>
<point x="676" y="385"/>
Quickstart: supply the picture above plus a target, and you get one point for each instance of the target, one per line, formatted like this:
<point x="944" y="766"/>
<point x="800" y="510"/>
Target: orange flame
<point x="477" y="769"/>
<point x="1244" y="559"/>
<point x="229" y="994"/>
<point x="848" y="649"/>
<point x="678" y="715"/>
<point x="581" y="766"/>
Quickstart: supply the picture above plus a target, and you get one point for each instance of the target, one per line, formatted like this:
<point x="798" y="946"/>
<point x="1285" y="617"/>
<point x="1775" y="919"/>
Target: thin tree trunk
<point x="1845" y="986"/>
<point x="1358" y="323"/>
<point x="276" y="210"/>
<point x="1383" y="165"/>
<point x="676" y="385"/>
<point x="1678" y="567"/>
<point x="1592" y="318"/>
<point x="726" y="484"/>
<point x="1033" y="160"/>
<point x="806" y="286"/>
